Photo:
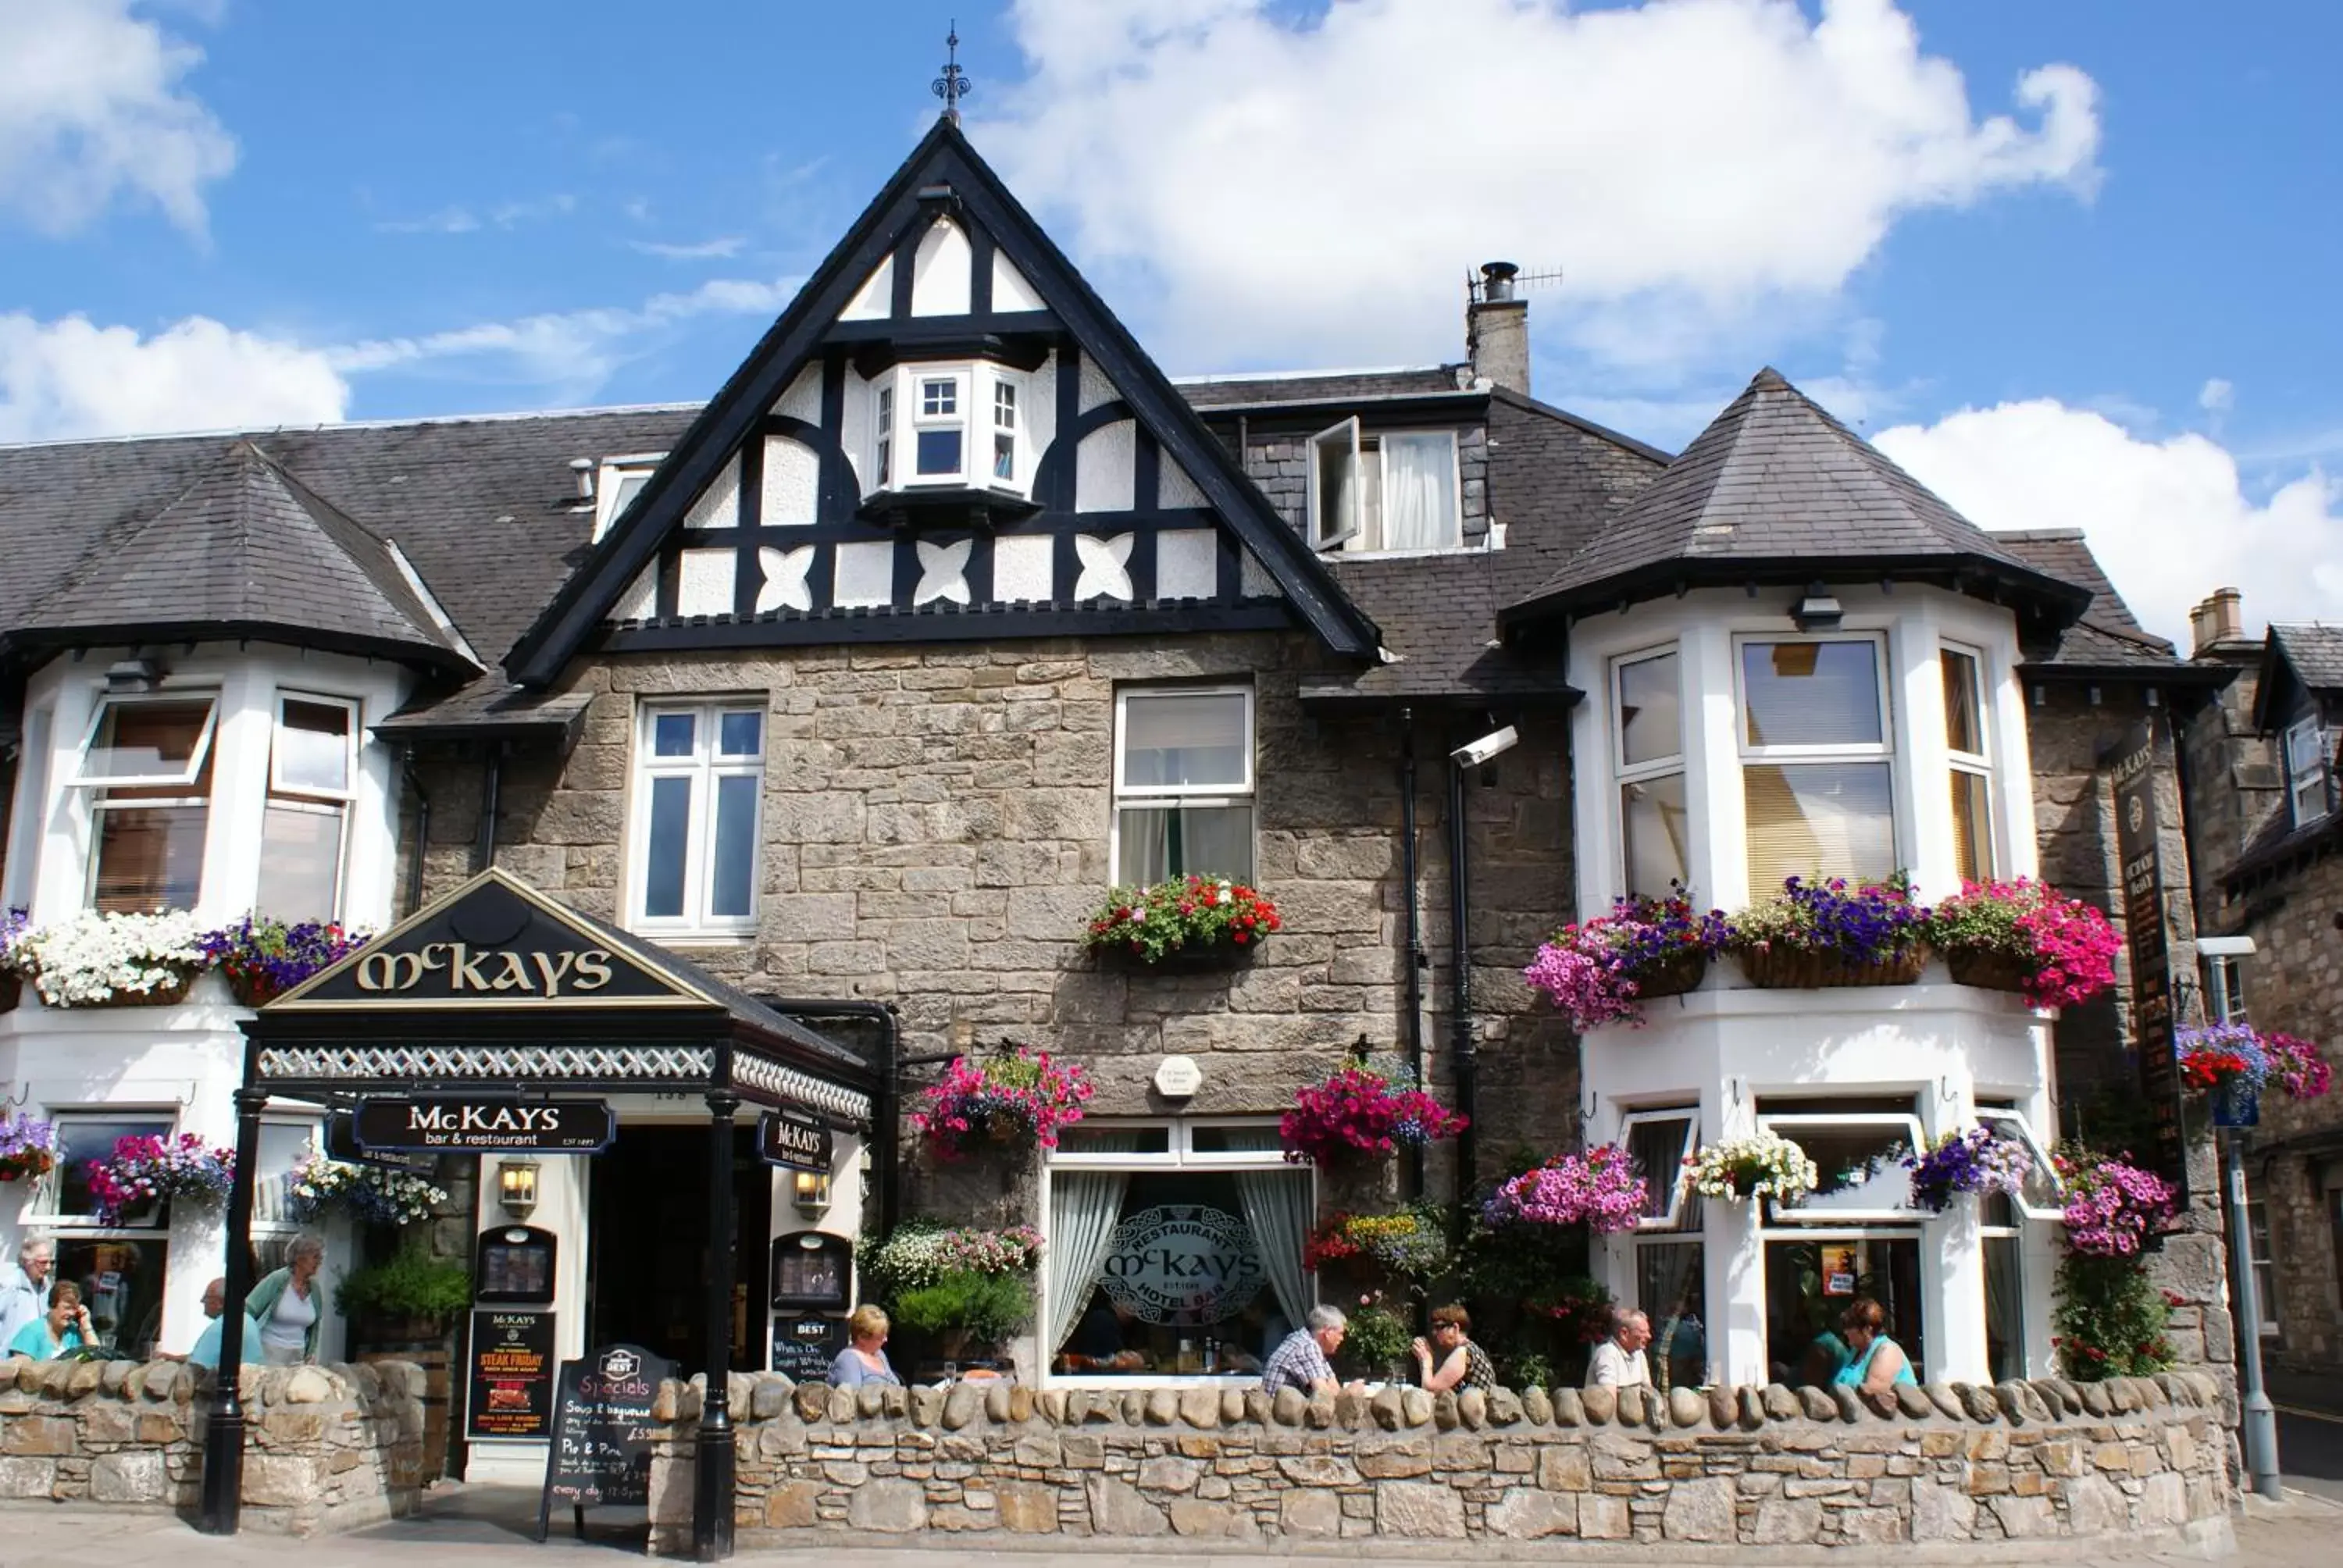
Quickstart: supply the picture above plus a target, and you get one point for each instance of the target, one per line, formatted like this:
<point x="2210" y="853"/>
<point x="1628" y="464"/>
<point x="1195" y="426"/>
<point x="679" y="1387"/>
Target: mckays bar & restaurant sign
<point x="485" y="1124"/>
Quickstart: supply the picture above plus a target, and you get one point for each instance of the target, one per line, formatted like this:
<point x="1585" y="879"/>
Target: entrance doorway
<point x="647" y="1261"/>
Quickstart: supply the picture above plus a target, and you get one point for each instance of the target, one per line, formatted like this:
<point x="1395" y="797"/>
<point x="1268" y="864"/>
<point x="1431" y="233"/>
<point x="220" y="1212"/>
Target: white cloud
<point x="1316" y="189"/>
<point x="2217" y="397"/>
<point x="705" y="250"/>
<point x="71" y="378"/>
<point x="94" y="109"/>
<point x="446" y="220"/>
<point x="2170" y="520"/>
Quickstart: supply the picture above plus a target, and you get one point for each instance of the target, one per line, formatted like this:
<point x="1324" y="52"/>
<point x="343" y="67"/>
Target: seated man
<point x="1302" y="1362"/>
<point x="1619" y="1361"/>
<point x="206" y="1352"/>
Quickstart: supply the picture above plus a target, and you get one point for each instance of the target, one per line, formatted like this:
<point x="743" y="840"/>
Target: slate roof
<point x="1208" y="392"/>
<point x="1777" y="491"/>
<point x="2108" y="640"/>
<point x="2314" y="649"/>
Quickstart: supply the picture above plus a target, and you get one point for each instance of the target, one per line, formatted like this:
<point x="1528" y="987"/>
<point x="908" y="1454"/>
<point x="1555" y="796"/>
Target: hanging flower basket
<point x="1187" y="922"/>
<point x="1764" y="1165"/>
<point x="2024" y="936"/>
<point x="373" y="1194"/>
<point x="1597" y="970"/>
<point x="145" y="1170"/>
<point x="262" y="959"/>
<point x="1800" y="969"/>
<point x="1971" y="1161"/>
<point x="2113" y="1208"/>
<point x="1814" y="935"/>
<point x="1359" y="1114"/>
<point x="1599" y="1189"/>
<point x="1015" y="1100"/>
<point x="28" y="1147"/>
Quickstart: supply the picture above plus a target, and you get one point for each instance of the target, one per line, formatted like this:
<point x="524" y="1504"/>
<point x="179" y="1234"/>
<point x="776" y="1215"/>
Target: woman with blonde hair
<point x="864" y="1360"/>
<point x="287" y="1305"/>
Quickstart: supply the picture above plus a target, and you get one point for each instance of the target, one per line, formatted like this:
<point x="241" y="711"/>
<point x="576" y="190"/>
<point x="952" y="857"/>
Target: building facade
<point x="840" y="702"/>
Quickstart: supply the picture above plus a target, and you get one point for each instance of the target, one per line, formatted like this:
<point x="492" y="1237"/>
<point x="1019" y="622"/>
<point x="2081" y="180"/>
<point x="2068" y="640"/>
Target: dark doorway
<point x="647" y="1250"/>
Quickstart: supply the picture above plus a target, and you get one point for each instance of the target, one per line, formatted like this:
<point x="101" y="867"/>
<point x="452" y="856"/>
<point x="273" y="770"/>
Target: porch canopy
<point x="497" y="990"/>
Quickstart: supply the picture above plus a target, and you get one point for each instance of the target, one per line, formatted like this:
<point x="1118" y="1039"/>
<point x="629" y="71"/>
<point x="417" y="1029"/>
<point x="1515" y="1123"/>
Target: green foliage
<point x="2110" y="1318"/>
<point x="987" y="1307"/>
<point x="1521" y="1263"/>
<point x="1377" y="1337"/>
<point x="1529" y="1369"/>
<point x="412" y="1284"/>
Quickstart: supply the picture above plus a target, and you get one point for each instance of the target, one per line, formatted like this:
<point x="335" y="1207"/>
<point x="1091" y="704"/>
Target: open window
<point x="1655" y="817"/>
<point x="617" y="485"/>
<point x="312" y="779"/>
<point x="1336" y="480"/>
<point x="1860" y="1158"/>
<point x="2307" y="762"/>
<point x="147" y="765"/>
<point x="2042" y="1196"/>
<point x="1658" y="1141"/>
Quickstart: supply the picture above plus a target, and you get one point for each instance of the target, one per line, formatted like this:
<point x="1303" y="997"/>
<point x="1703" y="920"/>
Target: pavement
<point x="2309" y="1431"/>
<point x="471" y="1527"/>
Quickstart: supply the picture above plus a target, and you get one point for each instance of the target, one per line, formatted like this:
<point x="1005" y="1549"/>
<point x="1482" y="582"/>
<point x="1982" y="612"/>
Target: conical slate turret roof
<point x="247" y="550"/>
<point x="1776" y="490"/>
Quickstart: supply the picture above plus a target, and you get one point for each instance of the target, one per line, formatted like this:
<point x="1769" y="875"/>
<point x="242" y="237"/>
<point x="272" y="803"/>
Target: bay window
<point x="1183" y="784"/>
<point x="953" y="424"/>
<point x="1971" y="766"/>
<point x="147" y="768"/>
<point x="1816" y="770"/>
<point x="1654" y="829"/>
<point x="698" y="779"/>
<point x="312" y="779"/>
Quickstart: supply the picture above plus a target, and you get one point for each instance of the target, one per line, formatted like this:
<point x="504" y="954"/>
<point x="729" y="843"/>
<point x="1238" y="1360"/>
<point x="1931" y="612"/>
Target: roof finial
<point x="953" y="85"/>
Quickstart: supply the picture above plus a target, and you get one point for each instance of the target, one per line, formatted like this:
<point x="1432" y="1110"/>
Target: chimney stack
<point x="2219" y="619"/>
<point x="1497" y="329"/>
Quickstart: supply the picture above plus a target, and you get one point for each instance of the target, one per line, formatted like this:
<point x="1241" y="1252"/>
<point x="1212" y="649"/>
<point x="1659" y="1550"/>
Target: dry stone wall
<point x="1772" y="1466"/>
<point x="326" y="1447"/>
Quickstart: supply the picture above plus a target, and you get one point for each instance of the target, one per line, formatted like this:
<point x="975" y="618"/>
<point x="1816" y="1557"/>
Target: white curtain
<point x="1419" y="492"/>
<point x="1277" y="1208"/>
<point x="1084" y="1208"/>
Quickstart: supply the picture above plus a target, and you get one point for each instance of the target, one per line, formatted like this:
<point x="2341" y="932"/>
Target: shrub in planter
<point x="1828" y="933"/>
<point x="966" y="1309"/>
<point x="412" y="1288"/>
<point x="1596" y="971"/>
<point x="112" y="960"/>
<point x="146" y="1169"/>
<point x="1375" y="1339"/>
<point x="1185" y="917"/>
<point x="1358" y="1113"/>
<point x="2024" y="936"/>
<point x="263" y="958"/>
<point x="920" y="1253"/>
<point x="1598" y="1189"/>
<point x="1017" y="1097"/>
<point x="28" y="1147"/>
<point x="1971" y="1161"/>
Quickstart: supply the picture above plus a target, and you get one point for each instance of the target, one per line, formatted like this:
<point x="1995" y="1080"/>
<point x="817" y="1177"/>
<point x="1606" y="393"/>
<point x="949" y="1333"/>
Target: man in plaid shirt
<point x="1300" y="1362"/>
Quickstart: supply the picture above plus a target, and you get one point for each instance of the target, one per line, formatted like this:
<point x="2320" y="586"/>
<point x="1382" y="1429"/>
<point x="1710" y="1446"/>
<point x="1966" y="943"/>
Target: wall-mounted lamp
<point x="811" y="1192"/>
<point x="516" y="1186"/>
<point x="1816" y="609"/>
<point x="137" y="674"/>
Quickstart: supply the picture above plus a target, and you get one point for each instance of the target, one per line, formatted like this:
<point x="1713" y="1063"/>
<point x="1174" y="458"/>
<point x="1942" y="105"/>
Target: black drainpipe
<point x="484" y="851"/>
<point x="885" y="1103"/>
<point x="1415" y="954"/>
<point x="422" y="829"/>
<point x="1467" y="1066"/>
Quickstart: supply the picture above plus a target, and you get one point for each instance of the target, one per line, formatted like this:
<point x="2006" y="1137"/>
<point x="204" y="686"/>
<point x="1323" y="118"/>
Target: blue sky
<point x="2066" y="262"/>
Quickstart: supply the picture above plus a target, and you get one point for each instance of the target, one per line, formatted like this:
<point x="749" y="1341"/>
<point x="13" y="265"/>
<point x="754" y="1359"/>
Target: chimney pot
<point x="2218" y="619"/>
<point x="1497" y="280"/>
<point x="1497" y="329"/>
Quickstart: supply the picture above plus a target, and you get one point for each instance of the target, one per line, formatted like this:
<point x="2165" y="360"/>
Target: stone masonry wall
<point x="326" y="1447"/>
<point x="1773" y="1466"/>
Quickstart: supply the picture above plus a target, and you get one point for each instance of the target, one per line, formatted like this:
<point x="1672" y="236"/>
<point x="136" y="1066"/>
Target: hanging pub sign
<point x="512" y="1373"/>
<point x="485" y="1124"/>
<point x="2140" y="851"/>
<point x="600" y="1453"/>
<point x="794" y="1139"/>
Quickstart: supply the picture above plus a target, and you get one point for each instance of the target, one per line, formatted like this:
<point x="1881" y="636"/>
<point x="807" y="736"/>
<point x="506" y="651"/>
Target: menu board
<point x="516" y="1264"/>
<point x="803" y="1347"/>
<point x="512" y="1373"/>
<point x="600" y="1455"/>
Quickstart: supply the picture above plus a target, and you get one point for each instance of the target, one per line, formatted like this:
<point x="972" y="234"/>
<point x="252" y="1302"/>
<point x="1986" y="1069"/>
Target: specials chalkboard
<point x="512" y="1373"/>
<point x="803" y="1347"/>
<point x="600" y="1453"/>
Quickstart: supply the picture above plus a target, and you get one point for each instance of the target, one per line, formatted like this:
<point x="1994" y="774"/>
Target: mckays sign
<point x="459" y="969"/>
<point x="485" y="1124"/>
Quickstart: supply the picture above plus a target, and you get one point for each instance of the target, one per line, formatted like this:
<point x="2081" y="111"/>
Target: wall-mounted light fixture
<point x="1816" y="609"/>
<point x="516" y="1186"/>
<point x="138" y="673"/>
<point x="811" y="1192"/>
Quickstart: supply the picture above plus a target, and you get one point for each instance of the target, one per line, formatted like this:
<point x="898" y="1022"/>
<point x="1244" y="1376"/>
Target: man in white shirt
<point x="24" y="1287"/>
<point x="1618" y="1362"/>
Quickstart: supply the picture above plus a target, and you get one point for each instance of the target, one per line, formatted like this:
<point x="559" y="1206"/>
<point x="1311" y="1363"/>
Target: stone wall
<point x="326" y="1447"/>
<point x="1774" y="1466"/>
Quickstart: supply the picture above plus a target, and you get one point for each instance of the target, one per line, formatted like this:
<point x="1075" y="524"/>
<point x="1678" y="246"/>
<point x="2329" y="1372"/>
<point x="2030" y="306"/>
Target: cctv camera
<point x="1488" y="749"/>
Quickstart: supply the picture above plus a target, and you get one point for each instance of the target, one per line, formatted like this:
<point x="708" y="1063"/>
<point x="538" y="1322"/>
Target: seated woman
<point x="1879" y="1363"/>
<point x="864" y="1360"/>
<point x="1461" y="1364"/>
<point x="64" y="1327"/>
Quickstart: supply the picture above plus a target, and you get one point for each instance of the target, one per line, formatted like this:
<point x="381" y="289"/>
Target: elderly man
<point x="206" y="1350"/>
<point x="1619" y="1361"/>
<point x="24" y="1286"/>
<point x="1303" y="1360"/>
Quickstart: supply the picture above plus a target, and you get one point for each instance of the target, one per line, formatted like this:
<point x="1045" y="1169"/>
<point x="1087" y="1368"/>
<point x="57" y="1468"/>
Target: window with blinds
<point x="1653" y="829"/>
<point x="1817" y="778"/>
<point x="1972" y="768"/>
<point x="1183" y="784"/>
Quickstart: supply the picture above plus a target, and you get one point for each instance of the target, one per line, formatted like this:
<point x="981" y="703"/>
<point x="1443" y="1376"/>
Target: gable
<point x="1062" y="486"/>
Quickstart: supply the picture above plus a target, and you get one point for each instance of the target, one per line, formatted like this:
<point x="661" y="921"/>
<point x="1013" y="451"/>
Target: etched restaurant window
<point x="699" y="774"/>
<point x="1655" y="848"/>
<point x="147" y="769"/>
<point x="1816" y="779"/>
<point x="1184" y="783"/>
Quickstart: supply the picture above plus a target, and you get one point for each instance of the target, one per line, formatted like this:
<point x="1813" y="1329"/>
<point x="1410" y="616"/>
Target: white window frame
<point x="1680" y="1195"/>
<point x="884" y="447"/>
<point x="1009" y="400"/>
<point x="1787" y="1124"/>
<point x="703" y="768"/>
<point x="611" y="479"/>
<point x="1625" y="774"/>
<point x="1179" y="1152"/>
<point x="186" y="775"/>
<point x="311" y="800"/>
<point x="2308" y="765"/>
<point x="1882" y="751"/>
<point x="896" y="419"/>
<point x="1339" y="438"/>
<point x="45" y="1206"/>
<point x="2261" y="1247"/>
<point x="1975" y="764"/>
<point x="2005" y="1121"/>
<point x="912" y="412"/>
<point x="1196" y="795"/>
<point x="313" y="1128"/>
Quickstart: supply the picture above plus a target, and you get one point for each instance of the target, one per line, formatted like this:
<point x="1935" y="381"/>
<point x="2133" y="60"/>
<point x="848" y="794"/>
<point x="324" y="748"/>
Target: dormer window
<point x="1388" y="490"/>
<point x="621" y="479"/>
<point x="2308" y="760"/>
<point x="962" y="425"/>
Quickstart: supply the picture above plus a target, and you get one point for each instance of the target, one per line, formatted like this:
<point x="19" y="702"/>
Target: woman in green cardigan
<point x="288" y="1305"/>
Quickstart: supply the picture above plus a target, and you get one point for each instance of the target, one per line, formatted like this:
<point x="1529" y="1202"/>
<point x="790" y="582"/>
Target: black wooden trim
<point x="923" y="333"/>
<point x="907" y="261"/>
<point x="837" y="496"/>
<point x="943" y="622"/>
<point x="980" y="269"/>
<point x="748" y="572"/>
<point x="1058" y="462"/>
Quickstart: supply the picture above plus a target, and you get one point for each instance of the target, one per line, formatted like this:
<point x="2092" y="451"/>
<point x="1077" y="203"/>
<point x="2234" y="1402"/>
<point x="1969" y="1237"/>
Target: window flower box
<point x="1814" y="935"/>
<point x="262" y="959"/>
<point x="1185" y="922"/>
<point x="112" y="959"/>
<point x="2023" y="936"/>
<point x="1597" y="970"/>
